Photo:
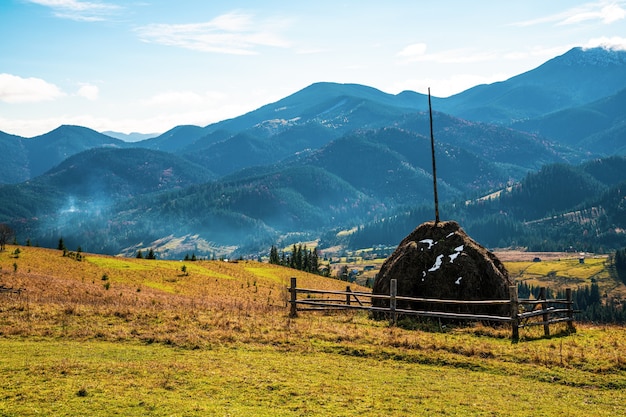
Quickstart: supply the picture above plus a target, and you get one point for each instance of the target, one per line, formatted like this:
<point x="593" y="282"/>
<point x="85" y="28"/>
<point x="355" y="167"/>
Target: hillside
<point x="573" y="79"/>
<point x="594" y="126"/>
<point x="560" y="207"/>
<point x="253" y="208"/>
<point x="332" y="157"/>
<point x="48" y="150"/>
<point x="108" y="335"/>
<point x="174" y="139"/>
<point x="15" y="166"/>
<point x="86" y="185"/>
<point x="109" y="173"/>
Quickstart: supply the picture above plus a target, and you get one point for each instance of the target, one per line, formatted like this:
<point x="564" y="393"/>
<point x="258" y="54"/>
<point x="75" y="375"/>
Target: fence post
<point x="348" y="296"/>
<point x="514" y="313"/>
<point x="570" y="311"/>
<point x="293" y="312"/>
<point x="546" y="315"/>
<point x="393" y="291"/>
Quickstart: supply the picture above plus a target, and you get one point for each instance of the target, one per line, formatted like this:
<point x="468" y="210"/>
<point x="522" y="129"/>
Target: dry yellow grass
<point x="233" y="319"/>
<point x="126" y="298"/>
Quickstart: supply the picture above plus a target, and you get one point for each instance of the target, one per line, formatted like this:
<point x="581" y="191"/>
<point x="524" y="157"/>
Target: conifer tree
<point x="274" y="256"/>
<point x="5" y="234"/>
<point x="292" y="260"/>
<point x="315" y="262"/>
<point x="306" y="260"/>
<point x="620" y="264"/>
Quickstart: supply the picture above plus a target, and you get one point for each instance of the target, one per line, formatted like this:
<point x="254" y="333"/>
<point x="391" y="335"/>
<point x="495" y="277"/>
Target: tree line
<point x="301" y="258"/>
<point x="588" y="303"/>
<point x="620" y="264"/>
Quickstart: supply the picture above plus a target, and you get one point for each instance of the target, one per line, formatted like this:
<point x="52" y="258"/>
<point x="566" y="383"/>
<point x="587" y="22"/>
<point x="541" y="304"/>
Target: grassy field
<point x="112" y="336"/>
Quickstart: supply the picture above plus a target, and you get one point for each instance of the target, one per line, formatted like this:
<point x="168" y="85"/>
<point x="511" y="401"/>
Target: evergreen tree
<point x="61" y="245"/>
<point x="620" y="264"/>
<point x="151" y="254"/>
<point x="342" y="274"/>
<point x="139" y="254"/>
<point x="594" y="294"/>
<point x="274" y="256"/>
<point x="306" y="260"/>
<point x="301" y="259"/>
<point x="5" y="234"/>
<point x="292" y="260"/>
<point x="315" y="263"/>
<point x="298" y="258"/>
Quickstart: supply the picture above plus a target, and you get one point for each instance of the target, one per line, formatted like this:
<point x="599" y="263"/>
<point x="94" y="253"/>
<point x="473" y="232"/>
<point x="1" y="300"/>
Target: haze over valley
<point x="335" y="157"/>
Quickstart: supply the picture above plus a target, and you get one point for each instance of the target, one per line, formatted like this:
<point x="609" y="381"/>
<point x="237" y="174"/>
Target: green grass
<point x="57" y="377"/>
<point x="119" y="263"/>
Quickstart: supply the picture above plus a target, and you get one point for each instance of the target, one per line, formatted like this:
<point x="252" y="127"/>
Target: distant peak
<point x="72" y="128"/>
<point x="598" y="56"/>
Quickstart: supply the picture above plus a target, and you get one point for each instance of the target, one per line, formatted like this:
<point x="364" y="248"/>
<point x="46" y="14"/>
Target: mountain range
<point x="329" y="157"/>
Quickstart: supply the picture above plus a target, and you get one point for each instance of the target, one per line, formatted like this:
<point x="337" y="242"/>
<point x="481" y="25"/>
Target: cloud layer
<point x="15" y="89"/>
<point x="605" y="12"/>
<point x="87" y="11"/>
<point x="231" y="33"/>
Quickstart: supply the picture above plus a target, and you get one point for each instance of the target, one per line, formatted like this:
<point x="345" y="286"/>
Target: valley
<point x="334" y="157"/>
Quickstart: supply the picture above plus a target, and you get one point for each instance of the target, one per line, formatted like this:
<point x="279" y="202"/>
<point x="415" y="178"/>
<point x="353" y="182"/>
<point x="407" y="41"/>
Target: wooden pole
<point x="393" y="292"/>
<point x="570" y="311"/>
<point x="514" y="312"/>
<point x="348" y="296"/>
<point x="293" y="312"/>
<point x="432" y="147"/>
<point x="544" y="307"/>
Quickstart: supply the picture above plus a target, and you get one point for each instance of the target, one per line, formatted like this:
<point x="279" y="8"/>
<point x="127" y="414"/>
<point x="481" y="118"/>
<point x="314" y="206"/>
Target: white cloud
<point x="415" y="50"/>
<point x="231" y="33"/>
<point x="615" y="43"/>
<point x="88" y="91"/>
<point x="605" y="12"/>
<point x="15" y="89"/>
<point x="88" y="11"/>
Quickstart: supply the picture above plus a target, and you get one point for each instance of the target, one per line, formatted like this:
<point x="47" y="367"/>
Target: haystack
<point x="441" y="261"/>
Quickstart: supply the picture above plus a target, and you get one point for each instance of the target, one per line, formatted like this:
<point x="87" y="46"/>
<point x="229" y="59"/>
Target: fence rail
<point x="11" y="290"/>
<point x="551" y="311"/>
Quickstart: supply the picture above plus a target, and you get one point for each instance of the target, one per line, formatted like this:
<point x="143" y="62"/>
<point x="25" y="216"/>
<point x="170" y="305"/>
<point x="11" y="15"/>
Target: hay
<point x="441" y="261"/>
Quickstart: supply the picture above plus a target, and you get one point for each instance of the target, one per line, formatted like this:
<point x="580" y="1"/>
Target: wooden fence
<point x="522" y="312"/>
<point x="11" y="290"/>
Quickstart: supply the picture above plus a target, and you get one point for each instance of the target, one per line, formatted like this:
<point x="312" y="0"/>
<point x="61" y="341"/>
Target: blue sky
<point x="147" y="66"/>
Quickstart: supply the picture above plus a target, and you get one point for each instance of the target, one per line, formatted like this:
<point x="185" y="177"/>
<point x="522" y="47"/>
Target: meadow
<point x="120" y="336"/>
